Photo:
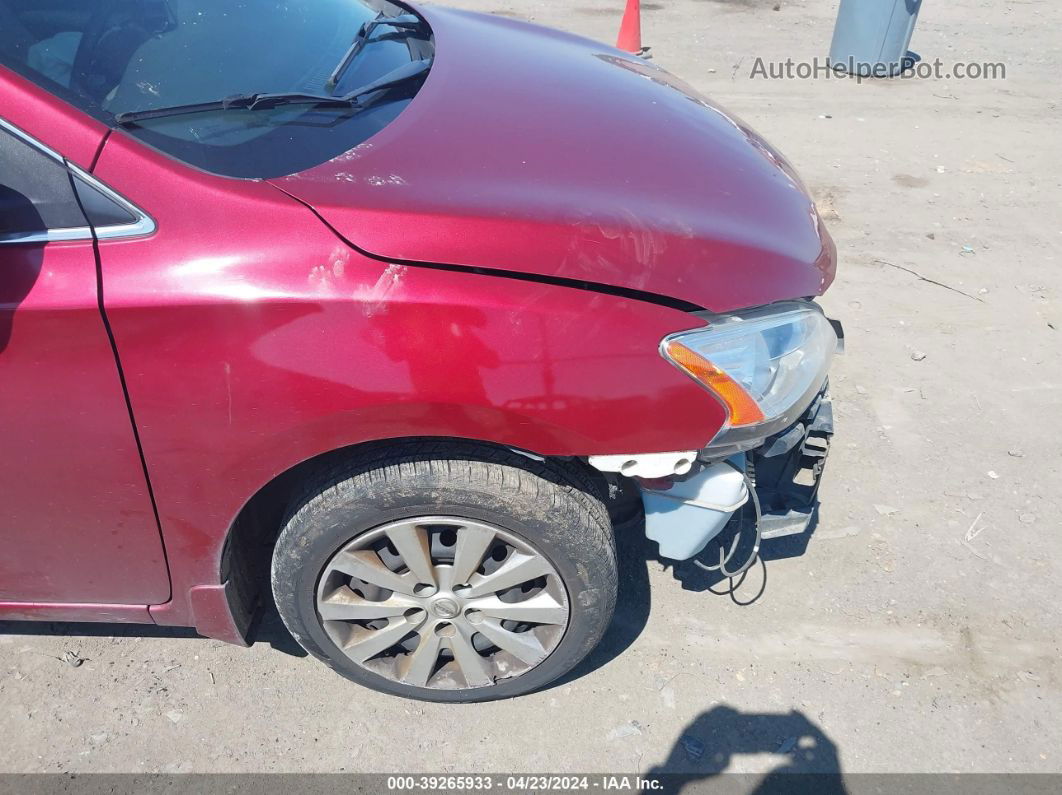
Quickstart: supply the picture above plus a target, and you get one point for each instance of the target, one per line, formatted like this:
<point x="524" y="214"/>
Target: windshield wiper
<point x="407" y="23"/>
<point x="356" y="99"/>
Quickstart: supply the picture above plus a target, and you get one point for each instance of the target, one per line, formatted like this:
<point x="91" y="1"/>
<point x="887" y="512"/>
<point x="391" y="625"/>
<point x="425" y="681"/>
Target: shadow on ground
<point x="710" y="743"/>
<point x="746" y="589"/>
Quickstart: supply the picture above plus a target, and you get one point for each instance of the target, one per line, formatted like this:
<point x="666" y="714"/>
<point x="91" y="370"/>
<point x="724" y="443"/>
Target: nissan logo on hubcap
<point x="445" y="608"/>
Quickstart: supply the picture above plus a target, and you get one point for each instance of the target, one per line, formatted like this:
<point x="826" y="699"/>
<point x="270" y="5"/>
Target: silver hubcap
<point x="442" y="602"/>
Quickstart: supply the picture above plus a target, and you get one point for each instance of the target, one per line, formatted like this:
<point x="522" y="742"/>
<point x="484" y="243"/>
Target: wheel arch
<point x="248" y="543"/>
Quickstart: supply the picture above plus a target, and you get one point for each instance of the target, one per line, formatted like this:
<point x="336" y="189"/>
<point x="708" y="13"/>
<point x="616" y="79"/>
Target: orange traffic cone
<point x="630" y="33"/>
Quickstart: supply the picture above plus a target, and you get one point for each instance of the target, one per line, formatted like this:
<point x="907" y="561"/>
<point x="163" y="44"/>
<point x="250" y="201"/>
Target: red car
<point x="382" y="305"/>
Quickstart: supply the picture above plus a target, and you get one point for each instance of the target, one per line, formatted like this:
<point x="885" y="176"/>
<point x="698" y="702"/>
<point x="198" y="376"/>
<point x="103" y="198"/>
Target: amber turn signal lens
<point x="743" y="409"/>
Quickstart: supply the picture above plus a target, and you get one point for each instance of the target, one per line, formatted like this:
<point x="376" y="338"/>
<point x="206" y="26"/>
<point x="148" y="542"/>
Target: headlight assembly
<point x="765" y="365"/>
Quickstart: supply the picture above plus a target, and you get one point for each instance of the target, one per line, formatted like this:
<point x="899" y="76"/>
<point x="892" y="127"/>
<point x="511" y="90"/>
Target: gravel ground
<point x="917" y="629"/>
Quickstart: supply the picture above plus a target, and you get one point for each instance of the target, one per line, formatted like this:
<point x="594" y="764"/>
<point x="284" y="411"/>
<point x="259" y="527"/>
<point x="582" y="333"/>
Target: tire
<point x="423" y="511"/>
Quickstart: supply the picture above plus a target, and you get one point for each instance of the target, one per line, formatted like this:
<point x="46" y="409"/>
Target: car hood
<point x="535" y="152"/>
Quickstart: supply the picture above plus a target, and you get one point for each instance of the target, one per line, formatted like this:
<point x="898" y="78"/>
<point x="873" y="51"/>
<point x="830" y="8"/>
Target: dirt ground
<point x="917" y="629"/>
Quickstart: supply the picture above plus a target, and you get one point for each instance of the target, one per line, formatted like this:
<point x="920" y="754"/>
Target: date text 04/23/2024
<point x="524" y="783"/>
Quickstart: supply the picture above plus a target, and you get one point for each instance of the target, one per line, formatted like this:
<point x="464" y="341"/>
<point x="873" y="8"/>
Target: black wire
<point x="763" y="587"/>
<point x="741" y="572"/>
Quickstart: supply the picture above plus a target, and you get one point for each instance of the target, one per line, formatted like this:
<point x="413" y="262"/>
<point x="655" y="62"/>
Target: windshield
<point x="109" y="57"/>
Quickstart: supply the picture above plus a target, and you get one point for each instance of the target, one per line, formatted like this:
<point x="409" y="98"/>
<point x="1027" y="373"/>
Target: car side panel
<point x="79" y="530"/>
<point x="78" y="524"/>
<point x="253" y="339"/>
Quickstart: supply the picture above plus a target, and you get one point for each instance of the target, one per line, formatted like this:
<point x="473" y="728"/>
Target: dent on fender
<point x="267" y="355"/>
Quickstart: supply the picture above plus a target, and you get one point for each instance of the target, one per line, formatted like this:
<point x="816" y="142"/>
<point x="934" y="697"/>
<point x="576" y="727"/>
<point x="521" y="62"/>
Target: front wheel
<point x="473" y="575"/>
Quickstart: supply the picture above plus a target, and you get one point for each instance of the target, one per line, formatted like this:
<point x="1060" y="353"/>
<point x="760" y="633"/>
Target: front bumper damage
<point x="787" y="471"/>
<point x="683" y="516"/>
<point x="690" y="497"/>
<point x="689" y="513"/>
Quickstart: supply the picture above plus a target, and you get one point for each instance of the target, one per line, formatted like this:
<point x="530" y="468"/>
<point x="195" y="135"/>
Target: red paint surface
<point x="256" y="339"/>
<point x="253" y="337"/>
<point x="575" y="160"/>
<point x="77" y="521"/>
<point x="76" y="136"/>
<point x="74" y="611"/>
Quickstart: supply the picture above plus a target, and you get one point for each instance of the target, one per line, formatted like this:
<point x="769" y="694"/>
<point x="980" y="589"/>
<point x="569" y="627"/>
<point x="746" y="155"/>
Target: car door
<point x="76" y="517"/>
